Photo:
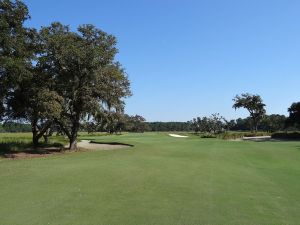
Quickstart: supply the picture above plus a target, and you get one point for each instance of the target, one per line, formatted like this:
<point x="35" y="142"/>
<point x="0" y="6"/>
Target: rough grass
<point x="161" y="180"/>
<point x="22" y="142"/>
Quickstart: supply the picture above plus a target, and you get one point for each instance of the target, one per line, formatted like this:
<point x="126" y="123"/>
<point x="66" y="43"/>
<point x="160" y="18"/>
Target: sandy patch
<point x="259" y="138"/>
<point x="86" y="144"/>
<point x="177" y="136"/>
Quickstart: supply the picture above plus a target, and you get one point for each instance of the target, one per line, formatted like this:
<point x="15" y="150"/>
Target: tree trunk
<point x="73" y="144"/>
<point x="45" y="139"/>
<point x="35" y="139"/>
<point x="255" y="126"/>
<point x="38" y="131"/>
<point x="73" y="136"/>
<point x="252" y="125"/>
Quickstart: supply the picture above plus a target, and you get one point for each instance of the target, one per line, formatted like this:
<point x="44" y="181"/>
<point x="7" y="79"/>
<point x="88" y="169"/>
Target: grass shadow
<point x="13" y="148"/>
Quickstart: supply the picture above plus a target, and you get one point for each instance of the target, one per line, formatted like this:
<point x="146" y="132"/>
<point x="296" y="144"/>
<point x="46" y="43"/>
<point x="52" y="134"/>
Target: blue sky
<point x="190" y="58"/>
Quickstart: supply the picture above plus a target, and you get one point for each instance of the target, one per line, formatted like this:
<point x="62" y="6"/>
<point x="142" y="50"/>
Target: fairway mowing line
<point x="177" y="136"/>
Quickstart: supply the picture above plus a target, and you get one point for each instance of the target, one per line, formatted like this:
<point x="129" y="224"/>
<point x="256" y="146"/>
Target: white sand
<point x="258" y="138"/>
<point x="178" y="136"/>
<point x="94" y="146"/>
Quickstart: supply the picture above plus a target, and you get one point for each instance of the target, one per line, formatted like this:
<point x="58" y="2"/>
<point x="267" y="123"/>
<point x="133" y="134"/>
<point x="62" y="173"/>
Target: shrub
<point x="208" y="136"/>
<point x="286" y="135"/>
<point x="238" y="135"/>
<point x="258" y="134"/>
<point x="231" y="135"/>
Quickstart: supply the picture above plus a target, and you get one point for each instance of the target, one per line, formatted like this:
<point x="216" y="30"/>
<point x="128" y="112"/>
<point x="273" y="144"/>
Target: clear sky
<point x="190" y="58"/>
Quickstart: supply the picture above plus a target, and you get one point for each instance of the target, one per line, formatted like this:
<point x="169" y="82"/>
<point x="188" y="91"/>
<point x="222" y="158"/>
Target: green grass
<point x="161" y="180"/>
<point x="22" y="142"/>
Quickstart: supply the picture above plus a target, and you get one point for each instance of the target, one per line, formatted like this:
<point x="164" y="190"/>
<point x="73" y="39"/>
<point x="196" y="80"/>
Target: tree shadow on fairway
<point x="18" y="149"/>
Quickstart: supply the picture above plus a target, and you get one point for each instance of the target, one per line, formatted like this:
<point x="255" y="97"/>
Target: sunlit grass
<point x="161" y="180"/>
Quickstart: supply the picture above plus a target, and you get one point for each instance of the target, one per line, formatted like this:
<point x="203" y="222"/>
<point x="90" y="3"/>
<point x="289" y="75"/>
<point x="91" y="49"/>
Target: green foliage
<point x="255" y="106"/>
<point x="213" y="124"/>
<point x="294" y="115"/>
<point x="114" y="122"/>
<point x="169" y="126"/>
<point x="232" y="135"/>
<point x="22" y="142"/>
<point x="269" y="123"/>
<point x="136" y="124"/>
<point x="272" y="123"/>
<point x="239" y="135"/>
<point x="16" y="48"/>
<point x="85" y="73"/>
<point x="208" y="135"/>
<point x="57" y="76"/>
<point x="15" y="127"/>
<point x="242" y="124"/>
<point x="26" y="92"/>
<point x="257" y="134"/>
<point x="286" y="135"/>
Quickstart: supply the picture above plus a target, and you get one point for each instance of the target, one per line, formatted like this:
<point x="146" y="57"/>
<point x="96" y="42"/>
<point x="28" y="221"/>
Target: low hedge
<point x="238" y="135"/>
<point x="286" y="135"/>
<point x="208" y="136"/>
<point x="258" y="134"/>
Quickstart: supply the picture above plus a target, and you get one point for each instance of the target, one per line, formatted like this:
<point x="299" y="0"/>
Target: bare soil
<point x="34" y="153"/>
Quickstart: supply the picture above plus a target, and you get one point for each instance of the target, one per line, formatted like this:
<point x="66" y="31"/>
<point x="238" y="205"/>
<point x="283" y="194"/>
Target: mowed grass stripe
<point x="161" y="180"/>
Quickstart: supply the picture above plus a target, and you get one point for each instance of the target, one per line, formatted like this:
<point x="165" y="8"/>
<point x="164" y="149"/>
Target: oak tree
<point x="85" y="73"/>
<point x="255" y="106"/>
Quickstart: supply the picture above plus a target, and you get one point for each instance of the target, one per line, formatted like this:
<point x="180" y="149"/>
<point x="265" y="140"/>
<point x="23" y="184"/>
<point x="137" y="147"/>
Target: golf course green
<point x="160" y="180"/>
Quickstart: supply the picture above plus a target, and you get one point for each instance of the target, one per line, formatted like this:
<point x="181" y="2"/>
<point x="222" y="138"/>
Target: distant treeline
<point x="169" y="126"/>
<point x="269" y="123"/>
<point x="13" y="127"/>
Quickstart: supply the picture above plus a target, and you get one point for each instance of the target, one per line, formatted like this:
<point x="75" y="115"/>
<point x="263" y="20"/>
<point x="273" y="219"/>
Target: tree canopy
<point x="255" y="106"/>
<point x="16" y="48"/>
<point x="55" y="75"/>
<point x="294" y="115"/>
<point x="85" y="74"/>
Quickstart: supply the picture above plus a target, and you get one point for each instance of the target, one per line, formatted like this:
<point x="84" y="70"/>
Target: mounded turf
<point x="161" y="180"/>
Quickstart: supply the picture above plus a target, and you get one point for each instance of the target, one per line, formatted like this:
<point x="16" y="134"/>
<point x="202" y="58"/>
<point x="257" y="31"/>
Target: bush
<point x="208" y="136"/>
<point x="231" y="135"/>
<point x="286" y="135"/>
<point x="258" y="134"/>
<point x="238" y="135"/>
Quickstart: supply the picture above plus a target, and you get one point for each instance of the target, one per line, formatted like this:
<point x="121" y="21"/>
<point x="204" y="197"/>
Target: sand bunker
<point x="258" y="138"/>
<point x="86" y="144"/>
<point x="178" y="136"/>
